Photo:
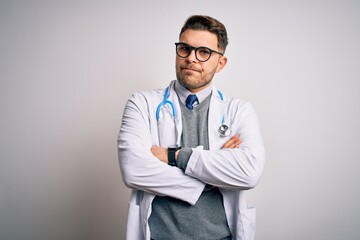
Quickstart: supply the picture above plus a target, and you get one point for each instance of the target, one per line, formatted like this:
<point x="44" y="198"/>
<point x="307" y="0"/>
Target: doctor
<point x="188" y="152"/>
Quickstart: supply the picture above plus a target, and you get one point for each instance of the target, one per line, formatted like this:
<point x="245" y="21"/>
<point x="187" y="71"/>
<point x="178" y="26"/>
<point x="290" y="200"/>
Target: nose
<point x="192" y="56"/>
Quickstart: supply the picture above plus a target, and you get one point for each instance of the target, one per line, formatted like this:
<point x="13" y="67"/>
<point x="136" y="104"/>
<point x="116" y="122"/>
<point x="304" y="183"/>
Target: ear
<point x="221" y="64"/>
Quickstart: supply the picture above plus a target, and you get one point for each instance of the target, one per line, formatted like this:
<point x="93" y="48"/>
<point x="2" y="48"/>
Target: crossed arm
<point x="162" y="153"/>
<point x="238" y="165"/>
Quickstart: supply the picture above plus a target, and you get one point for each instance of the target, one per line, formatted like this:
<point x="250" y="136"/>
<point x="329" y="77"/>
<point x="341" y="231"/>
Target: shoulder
<point x="238" y="105"/>
<point x="145" y="102"/>
<point x="147" y="96"/>
<point x="151" y="96"/>
<point x="232" y="101"/>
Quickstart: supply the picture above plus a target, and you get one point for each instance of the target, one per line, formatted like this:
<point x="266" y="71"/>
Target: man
<point x="195" y="188"/>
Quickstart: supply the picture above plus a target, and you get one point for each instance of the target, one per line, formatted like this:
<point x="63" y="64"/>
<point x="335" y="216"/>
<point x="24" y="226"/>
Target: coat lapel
<point x="216" y="113"/>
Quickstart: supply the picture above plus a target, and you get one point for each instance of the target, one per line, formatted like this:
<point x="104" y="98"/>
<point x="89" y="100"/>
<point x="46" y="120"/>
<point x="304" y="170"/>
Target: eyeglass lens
<point x="202" y="53"/>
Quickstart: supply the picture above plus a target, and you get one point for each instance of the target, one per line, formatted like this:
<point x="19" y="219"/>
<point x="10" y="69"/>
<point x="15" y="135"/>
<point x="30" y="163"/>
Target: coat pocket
<point x="134" y="227"/>
<point x="248" y="218"/>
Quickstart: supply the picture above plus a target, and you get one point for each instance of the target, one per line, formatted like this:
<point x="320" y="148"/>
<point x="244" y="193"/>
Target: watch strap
<point x="171" y="155"/>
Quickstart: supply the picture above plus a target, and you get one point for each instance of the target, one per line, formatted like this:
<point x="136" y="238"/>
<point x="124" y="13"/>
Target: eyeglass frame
<point x="195" y="49"/>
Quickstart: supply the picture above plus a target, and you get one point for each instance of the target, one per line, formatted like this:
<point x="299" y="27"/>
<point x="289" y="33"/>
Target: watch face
<point x="175" y="146"/>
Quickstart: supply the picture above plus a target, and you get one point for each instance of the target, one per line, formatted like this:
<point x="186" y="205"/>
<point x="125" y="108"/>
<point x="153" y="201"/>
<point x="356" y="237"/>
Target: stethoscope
<point x="224" y="130"/>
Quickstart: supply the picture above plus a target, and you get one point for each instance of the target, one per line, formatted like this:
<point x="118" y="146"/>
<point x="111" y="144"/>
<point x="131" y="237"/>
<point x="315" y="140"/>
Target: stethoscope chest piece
<point x="224" y="130"/>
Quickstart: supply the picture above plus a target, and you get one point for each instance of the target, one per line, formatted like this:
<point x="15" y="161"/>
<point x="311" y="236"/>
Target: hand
<point x="233" y="142"/>
<point x="161" y="153"/>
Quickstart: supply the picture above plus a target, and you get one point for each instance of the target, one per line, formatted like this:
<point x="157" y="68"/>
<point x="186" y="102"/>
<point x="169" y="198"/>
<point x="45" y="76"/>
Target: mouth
<point x="190" y="69"/>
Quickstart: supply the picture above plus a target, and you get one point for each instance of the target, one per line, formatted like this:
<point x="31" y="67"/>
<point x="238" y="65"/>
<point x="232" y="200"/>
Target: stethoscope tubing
<point x="165" y="101"/>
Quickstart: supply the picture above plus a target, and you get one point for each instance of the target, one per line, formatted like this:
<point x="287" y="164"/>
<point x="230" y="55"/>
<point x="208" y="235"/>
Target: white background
<point x="68" y="67"/>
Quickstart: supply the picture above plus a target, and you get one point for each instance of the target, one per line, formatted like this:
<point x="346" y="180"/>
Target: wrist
<point x="177" y="154"/>
<point x="173" y="152"/>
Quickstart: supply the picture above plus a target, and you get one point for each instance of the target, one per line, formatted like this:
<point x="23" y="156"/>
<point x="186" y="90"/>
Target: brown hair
<point x="201" y="22"/>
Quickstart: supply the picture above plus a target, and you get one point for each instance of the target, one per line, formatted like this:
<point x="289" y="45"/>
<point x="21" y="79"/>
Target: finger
<point x="233" y="142"/>
<point x="230" y="143"/>
<point x="235" y="145"/>
<point x="234" y="139"/>
<point x="237" y="138"/>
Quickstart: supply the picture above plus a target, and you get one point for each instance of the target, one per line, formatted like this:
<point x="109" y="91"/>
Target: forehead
<point x="197" y="38"/>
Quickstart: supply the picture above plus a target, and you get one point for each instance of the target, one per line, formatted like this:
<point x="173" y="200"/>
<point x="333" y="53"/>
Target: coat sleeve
<point x="239" y="168"/>
<point x="139" y="167"/>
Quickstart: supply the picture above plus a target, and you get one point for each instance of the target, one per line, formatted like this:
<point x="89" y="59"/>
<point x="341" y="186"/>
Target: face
<point x="190" y="72"/>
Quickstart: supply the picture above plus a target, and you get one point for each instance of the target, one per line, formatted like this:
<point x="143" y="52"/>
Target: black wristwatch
<point x="171" y="154"/>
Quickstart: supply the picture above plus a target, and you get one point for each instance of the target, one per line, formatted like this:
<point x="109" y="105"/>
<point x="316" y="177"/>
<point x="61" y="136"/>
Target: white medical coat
<point x="231" y="170"/>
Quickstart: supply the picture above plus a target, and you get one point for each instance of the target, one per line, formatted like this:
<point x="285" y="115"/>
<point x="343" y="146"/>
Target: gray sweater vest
<point x="174" y="219"/>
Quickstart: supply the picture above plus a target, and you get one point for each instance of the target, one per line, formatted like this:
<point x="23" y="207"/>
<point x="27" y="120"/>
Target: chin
<point x="187" y="82"/>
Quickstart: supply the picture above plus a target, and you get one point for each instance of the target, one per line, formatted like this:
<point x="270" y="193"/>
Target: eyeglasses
<point x="202" y="54"/>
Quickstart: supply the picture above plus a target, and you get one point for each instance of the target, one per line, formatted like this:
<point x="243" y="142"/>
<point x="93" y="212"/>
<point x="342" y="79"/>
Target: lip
<point x="189" y="69"/>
